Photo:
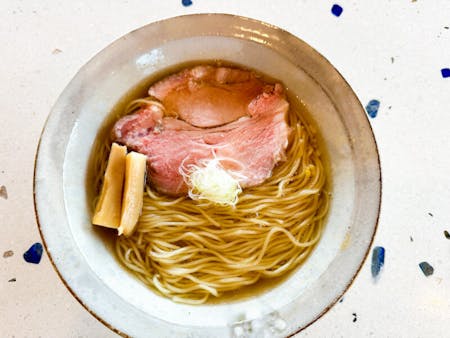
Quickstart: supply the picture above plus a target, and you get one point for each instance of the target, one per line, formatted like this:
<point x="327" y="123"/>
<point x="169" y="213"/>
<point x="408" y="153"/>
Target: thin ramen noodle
<point x="190" y="250"/>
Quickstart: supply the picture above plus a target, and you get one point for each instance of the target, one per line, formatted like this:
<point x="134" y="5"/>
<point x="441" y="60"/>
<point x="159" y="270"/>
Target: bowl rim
<point x="377" y="171"/>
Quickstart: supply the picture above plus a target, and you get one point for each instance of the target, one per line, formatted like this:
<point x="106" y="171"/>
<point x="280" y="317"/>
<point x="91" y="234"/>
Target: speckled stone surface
<point x="394" y="52"/>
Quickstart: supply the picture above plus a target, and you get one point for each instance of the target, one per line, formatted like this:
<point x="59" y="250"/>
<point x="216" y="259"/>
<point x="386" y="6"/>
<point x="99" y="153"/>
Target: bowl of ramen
<point x="207" y="176"/>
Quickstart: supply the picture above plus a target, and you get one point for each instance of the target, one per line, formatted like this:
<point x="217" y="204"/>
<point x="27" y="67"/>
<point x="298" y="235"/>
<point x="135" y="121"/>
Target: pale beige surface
<point x="45" y="42"/>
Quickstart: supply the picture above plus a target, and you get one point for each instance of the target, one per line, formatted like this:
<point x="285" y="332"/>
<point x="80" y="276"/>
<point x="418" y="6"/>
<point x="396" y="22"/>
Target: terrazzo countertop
<point x="394" y="54"/>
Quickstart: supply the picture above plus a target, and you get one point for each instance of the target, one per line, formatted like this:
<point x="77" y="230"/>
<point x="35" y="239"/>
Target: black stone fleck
<point x="430" y="214"/>
<point x="446" y="27"/>
<point x="411" y="239"/>
<point x="341" y="300"/>
<point x="446" y="234"/>
<point x="355" y="317"/>
<point x="12" y="280"/>
<point x="392" y="59"/>
<point x="426" y="268"/>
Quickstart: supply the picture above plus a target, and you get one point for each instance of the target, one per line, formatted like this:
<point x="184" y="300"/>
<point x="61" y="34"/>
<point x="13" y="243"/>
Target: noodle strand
<point x="190" y="250"/>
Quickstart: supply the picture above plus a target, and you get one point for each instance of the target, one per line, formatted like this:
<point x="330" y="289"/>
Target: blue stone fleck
<point x="337" y="10"/>
<point x="186" y="3"/>
<point x="426" y="268"/>
<point x="445" y="72"/>
<point x="372" y="108"/>
<point x="33" y="254"/>
<point x="377" y="260"/>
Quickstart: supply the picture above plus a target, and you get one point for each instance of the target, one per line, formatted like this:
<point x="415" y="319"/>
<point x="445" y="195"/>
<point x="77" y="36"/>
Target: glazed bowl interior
<point x="84" y="257"/>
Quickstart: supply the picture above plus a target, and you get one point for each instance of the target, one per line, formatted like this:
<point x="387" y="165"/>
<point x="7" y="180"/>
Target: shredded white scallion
<point x="212" y="182"/>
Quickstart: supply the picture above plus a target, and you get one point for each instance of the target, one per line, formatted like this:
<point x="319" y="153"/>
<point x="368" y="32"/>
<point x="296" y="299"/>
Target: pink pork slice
<point x="207" y="96"/>
<point x="250" y="146"/>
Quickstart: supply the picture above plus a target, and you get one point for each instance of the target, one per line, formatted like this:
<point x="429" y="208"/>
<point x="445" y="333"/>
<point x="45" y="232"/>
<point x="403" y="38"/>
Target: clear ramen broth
<point x="306" y="169"/>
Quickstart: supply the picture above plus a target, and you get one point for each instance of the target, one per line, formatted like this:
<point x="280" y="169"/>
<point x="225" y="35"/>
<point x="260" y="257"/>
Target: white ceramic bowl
<point x="84" y="259"/>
